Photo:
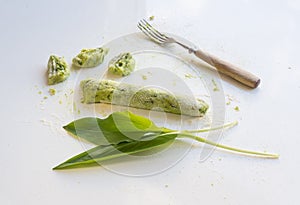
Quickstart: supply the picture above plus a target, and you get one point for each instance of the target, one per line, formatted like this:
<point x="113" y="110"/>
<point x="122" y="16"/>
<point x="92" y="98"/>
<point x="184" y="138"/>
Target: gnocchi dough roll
<point x="112" y="92"/>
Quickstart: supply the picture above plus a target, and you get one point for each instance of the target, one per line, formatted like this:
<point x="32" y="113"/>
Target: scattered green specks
<point x="52" y="91"/>
<point x="75" y="108"/>
<point x="188" y="75"/>
<point x="151" y="18"/>
<point x="236" y="108"/>
<point x="215" y="85"/>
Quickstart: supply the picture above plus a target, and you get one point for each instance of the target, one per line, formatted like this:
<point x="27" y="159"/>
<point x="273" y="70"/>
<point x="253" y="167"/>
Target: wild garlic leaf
<point x="100" y="153"/>
<point x="123" y="133"/>
<point x="116" y="128"/>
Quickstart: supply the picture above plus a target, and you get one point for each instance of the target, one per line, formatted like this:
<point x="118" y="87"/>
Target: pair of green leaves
<point x="120" y="134"/>
<point x="124" y="133"/>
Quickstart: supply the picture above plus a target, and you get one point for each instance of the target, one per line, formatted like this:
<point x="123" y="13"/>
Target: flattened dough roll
<point x="112" y="92"/>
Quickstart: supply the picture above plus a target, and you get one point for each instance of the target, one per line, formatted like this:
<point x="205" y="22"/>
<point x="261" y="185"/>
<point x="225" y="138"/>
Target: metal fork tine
<point x="153" y="36"/>
<point x="151" y="32"/>
<point x="154" y="30"/>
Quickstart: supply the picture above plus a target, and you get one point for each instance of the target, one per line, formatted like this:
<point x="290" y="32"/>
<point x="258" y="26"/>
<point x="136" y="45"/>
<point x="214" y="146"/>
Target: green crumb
<point x="216" y="88"/>
<point x="60" y="102"/>
<point x="40" y="92"/>
<point x="236" y="108"/>
<point x="144" y="77"/>
<point x="228" y="103"/>
<point x="74" y="106"/>
<point x="52" y="91"/>
<point x="151" y="18"/>
<point x="45" y="97"/>
<point x="122" y="65"/>
<point x="78" y="111"/>
<point x="88" y="58"/>
<point x="188" y="75"/>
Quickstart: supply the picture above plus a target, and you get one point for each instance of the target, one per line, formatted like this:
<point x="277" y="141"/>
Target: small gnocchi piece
<point x="58" y="70"/>
<point x="88" y="58"/>
<point x="122" y="64"/>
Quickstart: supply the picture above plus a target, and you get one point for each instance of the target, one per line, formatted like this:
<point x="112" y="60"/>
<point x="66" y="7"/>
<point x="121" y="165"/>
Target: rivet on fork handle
<point x="229" y="69"/>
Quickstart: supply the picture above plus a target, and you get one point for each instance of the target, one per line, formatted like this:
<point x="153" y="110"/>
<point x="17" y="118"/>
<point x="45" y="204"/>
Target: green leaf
<point x="101" y="153"/>
<point x="123" y="133"/>
<point x="116" y="128"/>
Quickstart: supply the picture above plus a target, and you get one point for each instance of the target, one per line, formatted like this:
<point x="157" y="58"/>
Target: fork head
<point x="152" y="33"/>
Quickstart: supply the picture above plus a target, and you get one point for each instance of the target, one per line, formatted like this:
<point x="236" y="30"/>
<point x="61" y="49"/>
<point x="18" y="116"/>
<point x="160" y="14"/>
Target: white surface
<point x="261" y="36"/>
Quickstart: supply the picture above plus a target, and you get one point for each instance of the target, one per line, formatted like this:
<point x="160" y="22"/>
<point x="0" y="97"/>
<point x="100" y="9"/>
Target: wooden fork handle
<point x="230" y="70"/>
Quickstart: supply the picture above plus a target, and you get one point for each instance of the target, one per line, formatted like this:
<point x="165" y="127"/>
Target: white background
<point x="261" y="36"/>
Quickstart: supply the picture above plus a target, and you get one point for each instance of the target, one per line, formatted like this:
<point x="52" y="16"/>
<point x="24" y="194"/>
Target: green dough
<point x="112" y="92"/>
<point x="58" y="70"/>
<point x="122" y="64"/>
<point x="88" y="58"/>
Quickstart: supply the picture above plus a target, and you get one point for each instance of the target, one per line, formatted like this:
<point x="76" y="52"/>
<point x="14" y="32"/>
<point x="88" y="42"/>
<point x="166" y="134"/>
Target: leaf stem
<point x="233" y="149"/>
<point x="228" y="125"/>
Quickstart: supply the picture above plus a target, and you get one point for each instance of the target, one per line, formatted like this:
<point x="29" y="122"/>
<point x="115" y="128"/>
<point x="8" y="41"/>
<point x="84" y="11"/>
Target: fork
<point x="222" y="66"/>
